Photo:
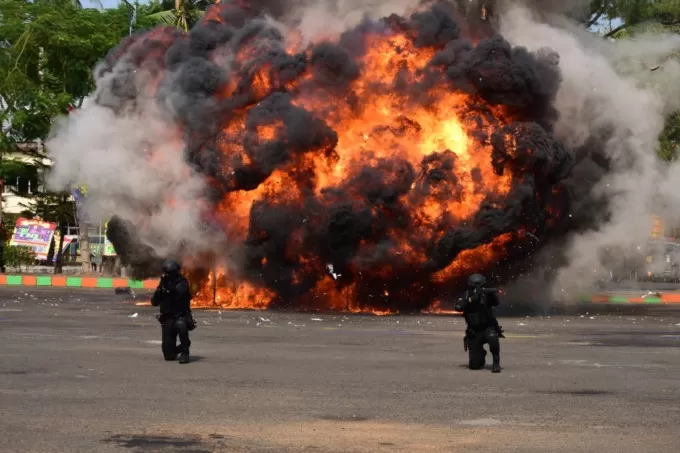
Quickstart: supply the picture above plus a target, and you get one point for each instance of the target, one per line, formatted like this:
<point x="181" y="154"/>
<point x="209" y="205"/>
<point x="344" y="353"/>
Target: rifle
<point x="490" y="290"/>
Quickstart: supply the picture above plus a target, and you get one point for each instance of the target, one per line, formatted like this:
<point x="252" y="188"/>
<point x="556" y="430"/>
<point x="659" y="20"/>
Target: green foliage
<point x="636" y="17"/>
<point x="183" y="14"/>
<point x="48" y="49"/>
<point x="19" y="255"/>
<point x="10" y="170"/>
<point x="9" y="221"/>
<point x="633" y="13"/>
<point x="669" y="142"/>
<point x="56" y="208"/>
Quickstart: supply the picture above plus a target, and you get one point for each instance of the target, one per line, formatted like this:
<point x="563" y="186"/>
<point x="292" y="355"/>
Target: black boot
<point x="184" y="357"/>
<point x="496" y="367"/>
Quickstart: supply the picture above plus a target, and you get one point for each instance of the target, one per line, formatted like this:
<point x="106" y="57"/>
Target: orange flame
<point x="385" y="124"/>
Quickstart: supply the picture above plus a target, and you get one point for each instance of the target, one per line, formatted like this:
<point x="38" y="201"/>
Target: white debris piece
<point x="317" y="319"/>
<point x="521" y="324"/>
<point x="265" y="319"/>
<point x="133" y="316"/>
<point x="331" y="271"/>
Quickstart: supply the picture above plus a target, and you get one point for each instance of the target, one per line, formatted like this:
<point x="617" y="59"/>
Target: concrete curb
<point x="658" y="299"/>
<point x="75" y="282"/>
<point x="63" y="281"/>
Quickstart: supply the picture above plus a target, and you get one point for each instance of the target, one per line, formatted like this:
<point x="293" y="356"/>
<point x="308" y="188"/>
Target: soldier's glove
<point x="500" y="332"/>
<point x="191" y="322"/>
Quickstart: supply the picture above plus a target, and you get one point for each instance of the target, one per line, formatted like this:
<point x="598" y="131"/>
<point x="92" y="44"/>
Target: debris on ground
<point x="124" y="290"/>
<point x="133" y="316"/>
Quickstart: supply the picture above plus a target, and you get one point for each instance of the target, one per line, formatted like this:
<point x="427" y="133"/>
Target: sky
<point x="106" y="3"/>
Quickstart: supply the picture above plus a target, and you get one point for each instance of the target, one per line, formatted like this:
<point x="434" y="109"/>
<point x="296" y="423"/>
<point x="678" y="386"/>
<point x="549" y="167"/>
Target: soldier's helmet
<point x="171" y="267"/>
<point x="476" y="280"/>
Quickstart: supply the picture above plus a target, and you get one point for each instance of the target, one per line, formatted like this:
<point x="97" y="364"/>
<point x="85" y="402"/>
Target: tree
<point x="184" y="14"/>
<point x="48" y="49"/>
<point x="621" y="19"/>
<point x="669" y="142"/>
<point x="623" y="15"/>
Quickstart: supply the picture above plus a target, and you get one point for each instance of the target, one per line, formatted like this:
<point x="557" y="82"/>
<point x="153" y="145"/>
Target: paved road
<point x="78" y="374"/>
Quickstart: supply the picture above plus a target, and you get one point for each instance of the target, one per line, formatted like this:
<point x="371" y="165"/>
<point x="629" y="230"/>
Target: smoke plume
<point x="612" y="108"/>
<point x="325" y="158"/>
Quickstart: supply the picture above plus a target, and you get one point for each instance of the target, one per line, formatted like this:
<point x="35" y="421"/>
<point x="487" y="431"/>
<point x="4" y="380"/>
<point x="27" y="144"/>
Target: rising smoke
<point x="275" y="141"/>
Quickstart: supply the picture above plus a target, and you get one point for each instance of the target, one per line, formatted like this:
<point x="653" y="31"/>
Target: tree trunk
<point x="84" y="245"/>
<point x="2" y="240"/>
<point x="58" y="261"/>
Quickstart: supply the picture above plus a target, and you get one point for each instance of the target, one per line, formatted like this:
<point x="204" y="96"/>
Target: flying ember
<point x="369" y="171"/>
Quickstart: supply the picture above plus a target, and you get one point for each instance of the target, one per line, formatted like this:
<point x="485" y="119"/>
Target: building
<point x="24" y="179"/>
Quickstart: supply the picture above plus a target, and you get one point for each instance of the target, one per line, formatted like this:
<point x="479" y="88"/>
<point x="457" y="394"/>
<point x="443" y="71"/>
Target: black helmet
<point x="476" y="280"/>
<point x="171" y="267"/>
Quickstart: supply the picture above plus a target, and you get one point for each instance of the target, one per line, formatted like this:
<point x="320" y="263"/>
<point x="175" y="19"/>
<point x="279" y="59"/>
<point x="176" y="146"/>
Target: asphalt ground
<point x="79" y="372"/>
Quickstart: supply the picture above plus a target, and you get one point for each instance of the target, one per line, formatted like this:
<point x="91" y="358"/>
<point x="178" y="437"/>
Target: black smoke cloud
<point x="353" y="224"/>
<point x="139" y="257"/>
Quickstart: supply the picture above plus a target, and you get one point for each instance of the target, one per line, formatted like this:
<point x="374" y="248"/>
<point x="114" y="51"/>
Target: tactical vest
<point x="478" y="314"/>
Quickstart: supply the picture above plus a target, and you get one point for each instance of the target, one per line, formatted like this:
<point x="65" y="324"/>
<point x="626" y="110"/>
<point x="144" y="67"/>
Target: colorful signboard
<point x="68" y="240"/>
<point x="36" y="234"/>
<point x="108" y="247"/>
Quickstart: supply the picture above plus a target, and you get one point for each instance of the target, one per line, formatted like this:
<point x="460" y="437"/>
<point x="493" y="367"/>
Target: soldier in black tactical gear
<point x="482" y="326"/>
<point x="174" y="297"/>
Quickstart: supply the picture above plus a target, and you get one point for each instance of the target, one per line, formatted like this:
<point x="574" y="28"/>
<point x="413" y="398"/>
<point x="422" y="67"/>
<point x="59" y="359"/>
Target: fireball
<point x="370" y="171"/>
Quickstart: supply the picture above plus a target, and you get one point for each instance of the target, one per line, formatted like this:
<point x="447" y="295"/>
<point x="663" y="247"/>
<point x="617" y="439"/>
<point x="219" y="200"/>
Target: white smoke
<point x="609" y="90"/>
<point x="132" y="165"/>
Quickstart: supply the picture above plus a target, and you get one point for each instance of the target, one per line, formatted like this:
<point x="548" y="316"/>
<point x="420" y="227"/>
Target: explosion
<point x="372" y="171"/>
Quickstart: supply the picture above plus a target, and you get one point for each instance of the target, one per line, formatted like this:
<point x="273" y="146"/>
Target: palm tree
<point x="184" y="15"/>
